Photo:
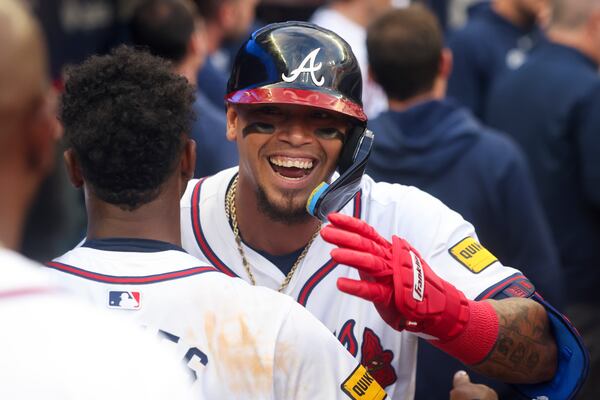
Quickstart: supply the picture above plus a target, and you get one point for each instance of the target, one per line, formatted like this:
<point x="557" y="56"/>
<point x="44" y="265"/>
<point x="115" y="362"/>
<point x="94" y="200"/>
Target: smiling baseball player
<point x="294" y="110"/>
<point x="126" y="116"/>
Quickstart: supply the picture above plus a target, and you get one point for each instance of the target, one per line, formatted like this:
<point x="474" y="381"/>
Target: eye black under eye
<point x="329" y="133"/>
<point x="258" y="127"/>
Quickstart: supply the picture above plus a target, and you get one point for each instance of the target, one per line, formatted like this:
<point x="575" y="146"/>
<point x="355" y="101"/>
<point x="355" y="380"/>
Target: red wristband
<point x="477" y="339"/>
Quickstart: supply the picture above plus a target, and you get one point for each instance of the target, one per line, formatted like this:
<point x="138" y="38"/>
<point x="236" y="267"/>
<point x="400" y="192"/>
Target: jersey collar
<point x="130" y="245"/>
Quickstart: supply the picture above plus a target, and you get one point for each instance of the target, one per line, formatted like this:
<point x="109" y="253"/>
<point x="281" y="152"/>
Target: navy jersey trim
<point x="199" y="234"/>
<point x="314" y="280"/>
<point x="322" y="272"/>
<point x="130" y="245"/>
<point x="496" y="290"/>
<point x="357" y="205"/>
<point x="127" y="280"/>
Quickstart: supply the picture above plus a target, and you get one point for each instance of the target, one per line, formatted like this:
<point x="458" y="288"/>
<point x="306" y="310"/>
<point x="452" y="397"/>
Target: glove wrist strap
<point x="478" y="337"/>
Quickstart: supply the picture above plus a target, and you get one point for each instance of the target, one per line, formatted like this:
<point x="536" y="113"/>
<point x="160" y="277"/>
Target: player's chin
<point x="288" y="206"/>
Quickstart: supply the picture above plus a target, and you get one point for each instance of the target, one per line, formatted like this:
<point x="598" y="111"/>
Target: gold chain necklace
<point x="230" y="211"/>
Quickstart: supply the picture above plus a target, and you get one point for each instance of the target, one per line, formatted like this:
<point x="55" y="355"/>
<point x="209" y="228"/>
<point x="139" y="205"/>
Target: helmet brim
<point x="286" y="95"/>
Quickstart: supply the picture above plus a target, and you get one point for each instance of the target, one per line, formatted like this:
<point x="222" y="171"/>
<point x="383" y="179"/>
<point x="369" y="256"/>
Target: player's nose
<point x="296" y="133"/>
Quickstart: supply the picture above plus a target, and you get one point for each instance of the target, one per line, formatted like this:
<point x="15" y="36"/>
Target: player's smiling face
<point x="285" y="151"/>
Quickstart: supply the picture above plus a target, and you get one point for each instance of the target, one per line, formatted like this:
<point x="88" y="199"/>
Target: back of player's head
<point x="404" y="49"/>
<point x="231" y="18"/>
<point x="126" y="116"/>
<point x="164" y="27"/>
<point x="571" y="14"/>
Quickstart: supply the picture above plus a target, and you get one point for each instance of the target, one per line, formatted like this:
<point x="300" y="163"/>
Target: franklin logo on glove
<point x="418" y="278"/>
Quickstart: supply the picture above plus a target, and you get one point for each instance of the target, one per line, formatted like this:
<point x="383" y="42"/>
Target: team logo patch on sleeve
<point x="360" y="385"/>
<point x="472" y="255"/>
<point x="124" y="300"/>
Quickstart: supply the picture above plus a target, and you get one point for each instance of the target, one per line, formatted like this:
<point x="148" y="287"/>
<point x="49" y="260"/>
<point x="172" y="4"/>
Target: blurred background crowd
<point x="491" y="106"/>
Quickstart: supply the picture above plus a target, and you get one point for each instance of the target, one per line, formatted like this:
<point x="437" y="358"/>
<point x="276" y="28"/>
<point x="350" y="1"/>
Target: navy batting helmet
<point x="304" y="64"/>
<point x="297" y="63"/>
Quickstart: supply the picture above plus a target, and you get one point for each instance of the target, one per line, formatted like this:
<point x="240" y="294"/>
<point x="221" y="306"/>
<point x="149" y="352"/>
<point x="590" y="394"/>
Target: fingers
<point x="371" y="291"/>
<point x="358" y="226"/>
<point x="460" y="378"/>
<point x="463" y="389"/>
<point x="364" y="262"/>
<point x="351" y="240"/>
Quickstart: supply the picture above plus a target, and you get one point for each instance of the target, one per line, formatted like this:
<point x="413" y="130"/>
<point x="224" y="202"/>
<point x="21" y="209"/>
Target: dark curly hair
<point x="126" y="116"/>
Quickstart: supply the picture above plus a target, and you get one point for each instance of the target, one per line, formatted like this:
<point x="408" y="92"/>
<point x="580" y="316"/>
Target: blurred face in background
<point x="238" y="18"/>
<point x="534" y="10"/>
<point x="378" y="7"/>
<point x="198" y="42"/>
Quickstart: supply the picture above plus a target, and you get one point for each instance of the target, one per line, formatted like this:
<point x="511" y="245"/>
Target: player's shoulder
<point x="383" y="197"/>
<point x="80" y="333"/>
<point x="407" y="211"/>
<point x="15" y="260"/>
<point x="18" y="271"/>
<point x="249" y="296"/>
<point x="204" y="188"/>
<point x="493" y="153"/>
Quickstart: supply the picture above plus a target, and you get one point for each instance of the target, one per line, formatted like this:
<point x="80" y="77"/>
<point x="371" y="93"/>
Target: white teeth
<point x="291" y="162"/>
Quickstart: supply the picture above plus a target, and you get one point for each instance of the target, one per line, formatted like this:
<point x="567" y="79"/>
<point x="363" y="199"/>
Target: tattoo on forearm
<point x="525" y="351"/>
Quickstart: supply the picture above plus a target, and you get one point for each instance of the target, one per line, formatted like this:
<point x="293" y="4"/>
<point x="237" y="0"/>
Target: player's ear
<point x="188" y="161"/>
<point x="446" y="62"/>
<point x="44" y="133"/>
<point x="232" y="122"/>
<point x="73" y="168"/>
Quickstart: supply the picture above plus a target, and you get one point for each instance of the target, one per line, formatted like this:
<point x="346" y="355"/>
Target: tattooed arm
<point x="525" y="351"/>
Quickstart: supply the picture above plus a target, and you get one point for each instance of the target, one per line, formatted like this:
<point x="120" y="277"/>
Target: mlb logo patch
<point x="124" y="300"/>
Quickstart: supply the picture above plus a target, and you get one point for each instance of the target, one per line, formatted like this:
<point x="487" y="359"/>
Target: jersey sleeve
<point x="311" y="363"/>
<point x="444" y="239"/>
<point x="457" y="256"/>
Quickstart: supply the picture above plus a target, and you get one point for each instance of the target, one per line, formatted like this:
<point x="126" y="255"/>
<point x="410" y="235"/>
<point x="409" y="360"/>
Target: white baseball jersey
<point x="443" y="238"/>
<point x="240" y="342"/>
<point x="53" y="346"/>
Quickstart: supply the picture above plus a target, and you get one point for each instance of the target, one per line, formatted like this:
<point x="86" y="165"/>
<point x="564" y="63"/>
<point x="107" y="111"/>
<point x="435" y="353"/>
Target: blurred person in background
<point x="349" y="19"/>
<point x="172" y="29"/>
<point x="441" y="10"/>
<point x="551" y="107"/>
<point x="226" y="21"/>
<point x="433" y="143"/>
<point x="76" y="29"/>
<point x="494" y="41"/>
<point x="84" y="353"/>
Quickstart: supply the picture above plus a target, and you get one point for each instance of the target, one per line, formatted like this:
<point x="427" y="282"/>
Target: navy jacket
<point x="213" y="83"/>
<point x="213" y="151"/>
<point x="551" y="107"/>
<point x="487" y="47"/>
<point x="442" y="149"/>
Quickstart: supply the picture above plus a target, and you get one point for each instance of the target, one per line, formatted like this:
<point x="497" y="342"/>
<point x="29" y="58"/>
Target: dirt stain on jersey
<point x="244" y="361"/>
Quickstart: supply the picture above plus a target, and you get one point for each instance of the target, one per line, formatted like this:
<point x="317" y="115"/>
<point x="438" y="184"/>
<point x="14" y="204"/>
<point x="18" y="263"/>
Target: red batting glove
<point x="406" y="292"/>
